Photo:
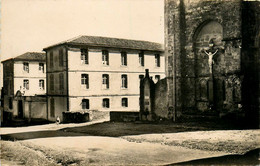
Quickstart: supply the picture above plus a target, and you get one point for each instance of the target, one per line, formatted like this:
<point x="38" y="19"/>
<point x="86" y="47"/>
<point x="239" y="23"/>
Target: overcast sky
<point x="30" y="25"/>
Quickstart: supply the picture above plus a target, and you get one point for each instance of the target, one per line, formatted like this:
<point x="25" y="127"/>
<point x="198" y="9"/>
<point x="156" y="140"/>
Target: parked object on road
<point x="58" y="120"/>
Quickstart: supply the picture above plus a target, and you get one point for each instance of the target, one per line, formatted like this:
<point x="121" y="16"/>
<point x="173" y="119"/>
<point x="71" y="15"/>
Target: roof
<point x="29" y="56"/>
<point x="112" y="43"/>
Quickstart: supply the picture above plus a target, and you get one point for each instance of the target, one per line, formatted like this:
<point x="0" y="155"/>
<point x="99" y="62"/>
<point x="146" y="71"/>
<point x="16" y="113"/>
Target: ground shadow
<point x="117" y="129"/>
<point x="250" y="158"/>
<point x="38" y="134"/>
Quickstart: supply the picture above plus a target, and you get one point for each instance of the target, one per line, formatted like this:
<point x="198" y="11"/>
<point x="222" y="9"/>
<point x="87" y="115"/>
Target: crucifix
<point x="210" y="53"/>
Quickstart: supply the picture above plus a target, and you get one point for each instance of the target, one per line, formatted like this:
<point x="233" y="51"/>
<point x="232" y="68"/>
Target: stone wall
<point x="161" y="100"/>
<point x="251" y="60"/>
<point x="193" y="88"/>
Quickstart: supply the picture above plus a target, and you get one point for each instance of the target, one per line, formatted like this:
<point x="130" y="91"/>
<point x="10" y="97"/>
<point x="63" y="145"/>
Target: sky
<point x="31" y="25"/>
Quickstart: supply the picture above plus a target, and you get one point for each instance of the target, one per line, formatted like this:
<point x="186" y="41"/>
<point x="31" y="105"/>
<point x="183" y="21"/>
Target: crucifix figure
<point x="211" y="53"/>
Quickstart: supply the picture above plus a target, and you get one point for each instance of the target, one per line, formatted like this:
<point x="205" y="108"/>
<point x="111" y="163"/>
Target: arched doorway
<point x="208" y="66"/>
<point x="19" y="99"/>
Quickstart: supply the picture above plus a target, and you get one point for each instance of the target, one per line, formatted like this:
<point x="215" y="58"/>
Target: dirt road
<point x="92" y="150"/>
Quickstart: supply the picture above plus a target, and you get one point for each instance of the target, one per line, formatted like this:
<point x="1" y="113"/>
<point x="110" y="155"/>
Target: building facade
<point x="212" y="58"/>
<point x="24" y="77"/>
<point x="99" y="73"/>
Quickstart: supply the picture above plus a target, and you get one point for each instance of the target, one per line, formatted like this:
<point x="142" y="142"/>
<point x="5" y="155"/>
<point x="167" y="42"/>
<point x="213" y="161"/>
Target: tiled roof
<point x="32" y="56"/>
<point x="29" y="56"/>
<point x="112" y="42"/>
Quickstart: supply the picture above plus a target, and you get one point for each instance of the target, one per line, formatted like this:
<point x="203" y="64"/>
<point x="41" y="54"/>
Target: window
<point x="51" y="59"/>
<point x="84" y="80"/>
<point x="41" y="84"/>
<point x="105" y="81"/>
<point x="124" y="102"/>
<point x="124" y="81"/>
<point x="123" y="59"/>
<point x="157" y="60"/>
<point x="141" y="76"/>
<point x="26" y="84"/>
<point x="52" y="107"/>
<point x="105" y="57"/>
<point x="26" y="67"/>
<point x="84" y="56"/>
<point x="51" y="82"/>
<point x="105" y="103"/>
<point x="41" y="67"/>
<point x="85" y="104"/>
<point x="61" y="81"/>
<point x="157" y="78"/>
<point x="60" y="57"/>
<point x="141" y="59"/>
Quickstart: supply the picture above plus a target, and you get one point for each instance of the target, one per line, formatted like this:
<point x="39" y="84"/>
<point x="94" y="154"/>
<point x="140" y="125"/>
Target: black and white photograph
<point x="129" y="82"/>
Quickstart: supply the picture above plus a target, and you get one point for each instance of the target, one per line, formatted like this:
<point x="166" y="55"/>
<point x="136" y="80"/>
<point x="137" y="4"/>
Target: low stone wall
<point x="75" y="117"/>
<point x="120" y="116"/>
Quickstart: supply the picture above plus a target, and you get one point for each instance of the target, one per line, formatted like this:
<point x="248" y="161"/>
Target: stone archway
<point x="208" y="66"/>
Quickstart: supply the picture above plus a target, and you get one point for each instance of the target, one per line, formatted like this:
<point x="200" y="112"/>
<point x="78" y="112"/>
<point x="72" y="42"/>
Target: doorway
<point x="20" y="109"/>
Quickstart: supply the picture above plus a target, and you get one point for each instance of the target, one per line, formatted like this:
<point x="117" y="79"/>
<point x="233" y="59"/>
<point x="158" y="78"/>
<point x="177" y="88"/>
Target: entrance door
<point x="20" y="109"/>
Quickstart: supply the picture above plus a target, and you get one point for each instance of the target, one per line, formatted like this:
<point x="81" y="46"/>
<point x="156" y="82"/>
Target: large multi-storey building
<point x="25" y="76"/>
<point x="99" y="73"/>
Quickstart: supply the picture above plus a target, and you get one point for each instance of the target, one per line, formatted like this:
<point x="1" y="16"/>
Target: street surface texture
<point x="230" y="141"/>
<point x="114" y="143"/>
<point x="147" y="149"/>
<point x="93" y="150"/>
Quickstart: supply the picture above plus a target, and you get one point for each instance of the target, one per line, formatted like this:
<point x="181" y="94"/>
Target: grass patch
<point x="15" y="151"/>
<point x="34" y="155"/>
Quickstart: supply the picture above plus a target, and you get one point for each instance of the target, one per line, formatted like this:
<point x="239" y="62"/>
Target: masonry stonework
<point x="209" y="63"/>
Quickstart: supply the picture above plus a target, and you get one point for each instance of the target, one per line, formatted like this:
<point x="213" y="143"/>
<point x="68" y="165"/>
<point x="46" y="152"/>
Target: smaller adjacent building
<point x="24" y="84"/>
